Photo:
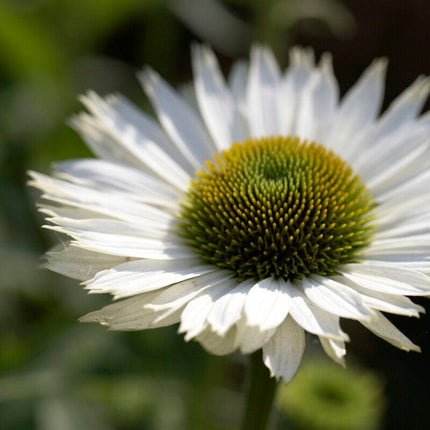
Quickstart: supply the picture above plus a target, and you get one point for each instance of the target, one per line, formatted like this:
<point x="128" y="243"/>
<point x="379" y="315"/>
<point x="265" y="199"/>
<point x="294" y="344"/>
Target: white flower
<point x="290" y="240"/>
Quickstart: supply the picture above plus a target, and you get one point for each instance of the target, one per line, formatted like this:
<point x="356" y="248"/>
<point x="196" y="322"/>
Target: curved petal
<point x="228" y="309"/>
<point x="266" y="304"/>
<point x="194" y="318"/>
<point x="216" y="344"/>
<point x="312" y="318"/>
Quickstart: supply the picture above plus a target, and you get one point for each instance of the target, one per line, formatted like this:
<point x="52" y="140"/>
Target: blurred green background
<point x="56" y="374"/>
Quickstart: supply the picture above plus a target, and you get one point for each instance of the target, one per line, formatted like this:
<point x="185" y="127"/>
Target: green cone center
<point x="277" y="207"/>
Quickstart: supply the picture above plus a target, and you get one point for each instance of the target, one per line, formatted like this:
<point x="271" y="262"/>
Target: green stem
<point x="261" y="393"/>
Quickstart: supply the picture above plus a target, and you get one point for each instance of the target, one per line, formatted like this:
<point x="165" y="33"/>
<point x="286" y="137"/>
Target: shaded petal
<point x="335" y="349"/>
<point x="237" y="81"/>
<point x="79" y="263"/>
<point x="383" y="328"/>
<point x="216" y="344"/>
<point x="251" y="338"/>
<point x="284" y="351"/>
<point x="131" y="314"/>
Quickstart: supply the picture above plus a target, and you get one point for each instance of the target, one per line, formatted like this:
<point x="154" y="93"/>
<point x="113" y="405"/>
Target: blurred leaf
<point x="214" y="23"/>
<point x="27" y="47"/>
<point x="340" y="21"/>
<point x="65" y="414"/>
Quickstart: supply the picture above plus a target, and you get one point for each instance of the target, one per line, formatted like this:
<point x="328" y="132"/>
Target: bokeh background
<point x="56" y="374"/>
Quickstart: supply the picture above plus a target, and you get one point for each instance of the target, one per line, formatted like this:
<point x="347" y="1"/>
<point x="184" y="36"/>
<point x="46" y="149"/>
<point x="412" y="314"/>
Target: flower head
<point x="270" y="210"/>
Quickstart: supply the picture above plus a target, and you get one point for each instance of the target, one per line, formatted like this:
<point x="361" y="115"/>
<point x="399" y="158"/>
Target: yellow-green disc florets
<point x="277" y="207"/>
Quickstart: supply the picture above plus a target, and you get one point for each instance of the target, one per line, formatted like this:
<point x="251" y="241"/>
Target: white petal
<point x="360" y="106"/>
<point x="387" y="331"/>
<point x="296" y="77"/>
<point x="82" y="220"/>
<point x="228" y="309"/>
<point x="195" y="315"/>
<point x="284" y="351"/>
<point x="78" y="263"/>
<point x="178" y="119"/>
<point x="213" y="96"/>
<point x="335" y="298"/>
<point x="117" y="178"/>
<point x="318" y="101"/>
<point x="147" y="128"/>
<point x="216" y="344"/>
<point x="312" y="318"/>
<point x="126" y="245"/>
<point x="403" y="109"/>
<point x="387" y="278"/>
<point x="266" y="304"/>
<point x="141" y="276"/>
<point x="263" y="93"/>
<point x="128" y="143"/>
<point x="335" y="349"/>
<point x="181" y="293"/>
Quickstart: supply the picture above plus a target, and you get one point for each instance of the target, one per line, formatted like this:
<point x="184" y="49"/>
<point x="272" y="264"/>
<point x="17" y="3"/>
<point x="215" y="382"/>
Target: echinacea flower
<point x="269" y="210"/>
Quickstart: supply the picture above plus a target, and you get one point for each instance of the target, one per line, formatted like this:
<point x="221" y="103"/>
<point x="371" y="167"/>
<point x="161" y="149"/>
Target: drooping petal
<point x="283" y="353"/>
<point x="312" y="318"/>
<point x="216" y="344"/>
<point x="335" y="349"/>
<point x="387" y="331"/>
<point x="249" y="339"/>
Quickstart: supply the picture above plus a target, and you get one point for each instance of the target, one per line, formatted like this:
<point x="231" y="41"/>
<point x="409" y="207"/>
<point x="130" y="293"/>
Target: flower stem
<point x="261" y="393"/>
